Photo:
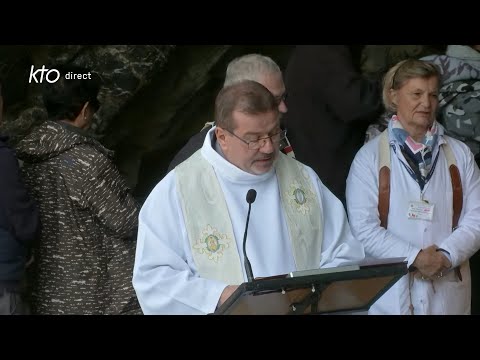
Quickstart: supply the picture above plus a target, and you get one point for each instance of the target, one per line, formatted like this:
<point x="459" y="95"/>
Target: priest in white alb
<point x="189" y="256"/>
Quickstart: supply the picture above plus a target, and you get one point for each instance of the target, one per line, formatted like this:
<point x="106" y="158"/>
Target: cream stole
<point x="210" y="230"/>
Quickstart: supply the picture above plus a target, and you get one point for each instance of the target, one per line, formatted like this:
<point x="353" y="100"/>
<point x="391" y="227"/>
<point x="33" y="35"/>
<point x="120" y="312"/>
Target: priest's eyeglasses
<point x="259" y="143"/>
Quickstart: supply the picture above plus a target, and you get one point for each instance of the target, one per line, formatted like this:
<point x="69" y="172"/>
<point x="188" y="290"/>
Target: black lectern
<point x="344" y="289"/>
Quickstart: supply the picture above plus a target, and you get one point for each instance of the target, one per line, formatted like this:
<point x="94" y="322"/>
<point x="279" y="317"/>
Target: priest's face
<point x="253" y="145"/>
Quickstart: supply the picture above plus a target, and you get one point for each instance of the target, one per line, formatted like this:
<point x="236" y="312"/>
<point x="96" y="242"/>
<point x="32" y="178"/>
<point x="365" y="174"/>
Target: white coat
<point x="405" y="237"/>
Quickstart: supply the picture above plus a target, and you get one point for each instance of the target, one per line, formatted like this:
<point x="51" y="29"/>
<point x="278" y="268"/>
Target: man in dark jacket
<point x="330" y="105"/>
<point x="18" y="228"/>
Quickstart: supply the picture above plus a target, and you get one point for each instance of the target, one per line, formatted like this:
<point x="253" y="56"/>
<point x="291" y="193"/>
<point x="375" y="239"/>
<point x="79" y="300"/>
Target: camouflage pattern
<point x="459" y="97"/>
<point x="377" y="128"/>
<point x="460" y="111"/>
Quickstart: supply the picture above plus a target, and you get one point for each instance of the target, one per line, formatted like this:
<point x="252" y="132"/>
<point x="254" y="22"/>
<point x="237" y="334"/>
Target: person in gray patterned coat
<point x="83" y="262"/>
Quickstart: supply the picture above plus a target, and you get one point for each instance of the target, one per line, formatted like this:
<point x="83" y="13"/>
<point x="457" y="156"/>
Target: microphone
<point x="251" y="196"/>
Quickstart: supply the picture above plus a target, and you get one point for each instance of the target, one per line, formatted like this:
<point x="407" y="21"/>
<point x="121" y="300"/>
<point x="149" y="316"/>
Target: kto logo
<point x="51" y="75"/>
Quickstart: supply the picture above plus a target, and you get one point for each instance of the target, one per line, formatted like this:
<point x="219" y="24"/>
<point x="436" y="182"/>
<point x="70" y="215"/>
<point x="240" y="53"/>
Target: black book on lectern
<point x="344" y="289"/>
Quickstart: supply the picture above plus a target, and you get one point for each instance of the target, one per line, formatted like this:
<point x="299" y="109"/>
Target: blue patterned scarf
<point x="420" y="153"/>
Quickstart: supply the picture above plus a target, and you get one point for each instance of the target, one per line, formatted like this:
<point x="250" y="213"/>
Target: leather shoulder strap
<point x="457" y="192"/>
<point x="384" y="179"/>
<point x="456" y="184"/>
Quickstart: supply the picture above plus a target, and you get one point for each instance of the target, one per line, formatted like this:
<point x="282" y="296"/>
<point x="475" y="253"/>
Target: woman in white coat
<point x="420" y="208"/>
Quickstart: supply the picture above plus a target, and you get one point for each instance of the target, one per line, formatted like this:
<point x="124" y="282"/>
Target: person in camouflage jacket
<point x="83" y="262"/>
<point x="460" y="94"/>
<point x="459" y="102"/>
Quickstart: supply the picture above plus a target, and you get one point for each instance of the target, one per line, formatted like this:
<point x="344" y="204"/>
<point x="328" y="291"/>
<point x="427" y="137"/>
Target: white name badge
<point x="420" y="210"/>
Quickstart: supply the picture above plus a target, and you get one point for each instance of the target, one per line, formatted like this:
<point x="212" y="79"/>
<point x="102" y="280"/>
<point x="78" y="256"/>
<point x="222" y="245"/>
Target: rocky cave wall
<point x="154" y="96"/>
